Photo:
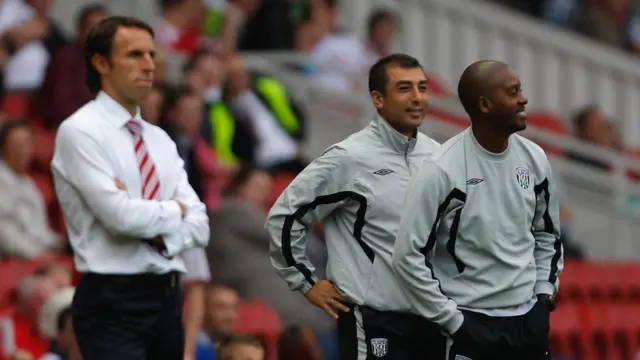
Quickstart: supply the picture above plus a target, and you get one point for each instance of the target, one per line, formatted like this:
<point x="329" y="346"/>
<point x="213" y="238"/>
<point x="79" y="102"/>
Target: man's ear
<point x="485" y="105"/>
<point x="101" y="64"/>
<point x="378" y="99"/>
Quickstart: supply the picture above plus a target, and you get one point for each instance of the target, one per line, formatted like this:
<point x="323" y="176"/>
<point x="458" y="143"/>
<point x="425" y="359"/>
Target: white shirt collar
<point x="116" y="112"/>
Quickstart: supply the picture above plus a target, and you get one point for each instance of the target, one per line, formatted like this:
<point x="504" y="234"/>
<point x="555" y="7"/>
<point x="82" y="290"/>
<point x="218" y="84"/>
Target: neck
<point x="130" y="106"/>
<point x="490" y="140"/>
<point x="379" y="50"/>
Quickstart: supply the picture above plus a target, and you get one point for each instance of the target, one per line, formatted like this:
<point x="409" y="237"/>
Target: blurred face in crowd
<point x="239" y="79"/>
<point x="189" y="113"/>
<point x="306" y="37"/>
<point x="18" y="149"/>
<point x="130" y="71"/>
<point x="257" y="189"/>
<point x="222" y="310"/>
<point x="210" y="70"/>
<point x="59" y="274"/>
<point x="505" y="102"/>
<point x="597" y="129"/>
<point x="405" y="101"/>
<point x="382" y="35"/>
<point x="152" y="106"/>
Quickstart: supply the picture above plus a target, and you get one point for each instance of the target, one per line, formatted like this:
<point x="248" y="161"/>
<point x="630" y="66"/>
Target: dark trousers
<point x="483" y="337"/>
<point x="129" y="317"/>
<point x="387" y="335"/>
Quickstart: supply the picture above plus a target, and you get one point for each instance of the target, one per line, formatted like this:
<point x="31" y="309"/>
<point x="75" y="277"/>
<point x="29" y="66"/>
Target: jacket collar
<point x="391" y="137"/>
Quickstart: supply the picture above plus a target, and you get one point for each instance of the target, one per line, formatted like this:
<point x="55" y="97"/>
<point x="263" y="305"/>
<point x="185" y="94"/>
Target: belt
<point x="170" y="279"/>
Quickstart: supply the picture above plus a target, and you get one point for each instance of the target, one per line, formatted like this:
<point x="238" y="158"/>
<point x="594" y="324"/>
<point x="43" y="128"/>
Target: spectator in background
<point x="592" y="126"/>
<point x="382" y="28"/>
<point x="605" y="21"/>
<point x="22" y="32"/>
<point x="58" y="273"/>
<point x="269" y="126"/>
<point x="241" y="347"/>
<point x="194" y="284"/>
<point x="53" y="37"/>
<point x="178" y="30"/>
<point x="56" y="325"/>
<point x="241" y="243"/>
<point x="221" y="317"/>
<point x="205" y="72"/>
<point x="64" y="90"/>
<point x="298" y="343"/>
<point x="33" y="292"/>
<point x="184" y="116"/>
<point x="24" y="228"/>
<point x="340" y="58"/>
<point x="270" y="26"/>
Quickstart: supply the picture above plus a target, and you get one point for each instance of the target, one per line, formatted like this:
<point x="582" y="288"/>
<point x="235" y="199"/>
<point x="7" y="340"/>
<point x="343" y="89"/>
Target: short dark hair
<point x="378" y="72"/>
<point x="9" y="126"/>
<point x="476" y="81"/>
<point x="377" y="16"/>
<point x="88" y="10"/>
<point x="100" y="42"/>
<point x="191" y="63"/>
<point x="582" y="116"/>
<point x="225" y="346"/>
<point x="241" y="177"/>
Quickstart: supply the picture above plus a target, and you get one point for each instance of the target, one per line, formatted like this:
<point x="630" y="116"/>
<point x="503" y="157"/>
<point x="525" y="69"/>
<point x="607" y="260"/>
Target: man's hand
<point x="183" y="208"/>
<point x="120" y="184"/>
<point x="325" y="296"/>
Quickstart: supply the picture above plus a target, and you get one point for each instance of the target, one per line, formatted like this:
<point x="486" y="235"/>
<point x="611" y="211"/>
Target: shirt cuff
<point x="176" y="243"/>
<point x="452" y="326"/>
<point x="544" y="287"/>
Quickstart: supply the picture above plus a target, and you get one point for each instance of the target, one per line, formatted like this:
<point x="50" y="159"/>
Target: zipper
<point x="406" y="156"/>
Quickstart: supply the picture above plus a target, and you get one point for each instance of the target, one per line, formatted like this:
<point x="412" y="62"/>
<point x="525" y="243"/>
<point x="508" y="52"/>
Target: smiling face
<point x="405" y="100"/>
<point x="505" y="102"/>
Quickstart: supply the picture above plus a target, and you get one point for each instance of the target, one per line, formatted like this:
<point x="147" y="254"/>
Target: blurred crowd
<point x="611" y="22"/>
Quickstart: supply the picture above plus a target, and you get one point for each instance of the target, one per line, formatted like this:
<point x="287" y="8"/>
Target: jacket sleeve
<point x="548" y="250"/>
<point x="312" y="195"/>
<point x="425" y="204"/>
<point x="79" y="158"/>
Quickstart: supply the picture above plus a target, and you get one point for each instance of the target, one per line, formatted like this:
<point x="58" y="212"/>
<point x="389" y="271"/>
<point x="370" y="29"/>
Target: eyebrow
<point x="409" y="82"/>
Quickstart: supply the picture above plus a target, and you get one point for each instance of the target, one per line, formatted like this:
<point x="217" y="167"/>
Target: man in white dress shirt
<point x="128" y="205"/>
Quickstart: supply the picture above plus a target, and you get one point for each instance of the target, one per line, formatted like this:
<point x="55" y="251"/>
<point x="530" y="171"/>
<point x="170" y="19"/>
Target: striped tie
<point x="150" y="182"/>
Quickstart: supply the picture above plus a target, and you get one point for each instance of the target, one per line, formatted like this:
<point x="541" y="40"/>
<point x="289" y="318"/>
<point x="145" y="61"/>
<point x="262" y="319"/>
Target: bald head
<point x="477" y="80"/>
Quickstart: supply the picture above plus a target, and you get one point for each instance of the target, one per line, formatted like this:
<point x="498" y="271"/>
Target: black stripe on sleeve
<point x="451" y="244"/>
<point x="543" y="188"/>
<point x="455" y="194"/>
<point x="324" y="200"/>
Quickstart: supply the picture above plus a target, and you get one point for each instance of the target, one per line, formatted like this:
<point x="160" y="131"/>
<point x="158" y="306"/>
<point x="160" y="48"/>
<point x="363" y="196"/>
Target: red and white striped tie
<point x="150" y="182"/>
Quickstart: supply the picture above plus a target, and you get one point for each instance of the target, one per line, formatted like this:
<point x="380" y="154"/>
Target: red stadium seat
<point x="259" y="318"/>
<point x="566" y="334"/>
<point x="11" y="272"/>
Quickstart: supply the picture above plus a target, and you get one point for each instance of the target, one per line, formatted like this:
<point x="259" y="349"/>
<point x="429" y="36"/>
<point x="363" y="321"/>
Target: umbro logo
<point x="474" y="181"/>
<point x="383" y="172"/>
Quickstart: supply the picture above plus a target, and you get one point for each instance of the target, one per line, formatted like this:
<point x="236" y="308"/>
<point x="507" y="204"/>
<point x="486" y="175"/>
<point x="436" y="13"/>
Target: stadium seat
<point x="436" y="85"/>
<point x="259" y="318"/>
<point x="624" y="322"/>
<point x="12" y="271"/>
<point x="566" y="336"/>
